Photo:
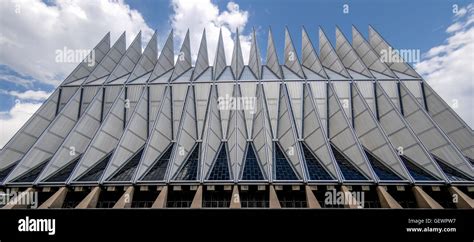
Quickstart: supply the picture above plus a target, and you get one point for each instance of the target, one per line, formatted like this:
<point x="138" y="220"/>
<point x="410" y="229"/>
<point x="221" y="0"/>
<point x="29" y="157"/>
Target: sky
<point x="32" y="32"/>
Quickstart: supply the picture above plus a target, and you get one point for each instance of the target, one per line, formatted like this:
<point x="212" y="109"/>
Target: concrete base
<point x="311" y="198"/>
<point x="423" y="200"/>
<point x="386" y="200"/>
<point x="235" y="199"/>
<point x="197" y="200"/>
<point x="463" y="200"/>
<point x="56" y="200"/>
<point x="126" y="199"/>
<point x="17" y="202"/>
<point x="274" y="202"/>
<point x="162" y="198"/>
<point x="90" y="201"/>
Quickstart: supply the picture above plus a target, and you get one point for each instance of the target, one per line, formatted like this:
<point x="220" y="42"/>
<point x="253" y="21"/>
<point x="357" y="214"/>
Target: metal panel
<point x="372" y="136"/>
<point x="166" y="60"/>
<point x="127" y="62"/>
<point x="147" y="61"/>
<point x="237" y="134"/>
<point x="447" y="119"/>
<point x="314" y="133"/>
<point x="29" y="133"/>
<point x="286" y="133"/>
<point x="349" y="57"/>
<point x="220" y="60"/>
<point x="254" y="57"/>
<point x="237" y="62"/>
<point x="161" y="134"/>
<point x="202" y="61"/>
<point x="310" y="60"/>
<point x="328" y="56"/>
<point x="78" y="139"/>
<point x="401" y="135"/>
<point x="430" y="135"/>
<point x="49" y="141"/>
<point x="133" y="138"/>
<point x="272" y="58"/>
<point x="106" y="139"/>
<point x="86" y="67"/>
<point x="187" y="134"/>
<point x="291" y="56"/>
<point x="342" y="135"/>
<point x="183" y="62"/>
<point x="212" y="137"/>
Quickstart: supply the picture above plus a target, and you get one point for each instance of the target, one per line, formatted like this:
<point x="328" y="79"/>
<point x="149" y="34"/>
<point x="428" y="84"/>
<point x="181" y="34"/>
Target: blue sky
<point x="31" y="33"/>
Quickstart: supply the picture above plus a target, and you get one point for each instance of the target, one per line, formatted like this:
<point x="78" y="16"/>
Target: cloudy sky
<point x="32" y="31"/>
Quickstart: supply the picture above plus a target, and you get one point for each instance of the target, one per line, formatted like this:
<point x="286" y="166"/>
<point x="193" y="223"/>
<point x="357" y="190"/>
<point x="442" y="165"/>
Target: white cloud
<point x="12" y="120"/>
<point x="449" y="68"/>
<point x="28" y="95"/>
<point x="32" y="31"/>
<point x="199" y="14"/>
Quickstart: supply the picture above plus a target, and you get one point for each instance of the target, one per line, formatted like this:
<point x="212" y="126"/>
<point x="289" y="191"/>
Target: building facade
<point x="344" y="128"/>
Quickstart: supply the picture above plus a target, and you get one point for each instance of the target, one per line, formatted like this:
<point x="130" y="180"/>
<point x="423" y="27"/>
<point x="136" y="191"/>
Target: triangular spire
<point x="107" y="65"/>
<point x="147" y="60"/>
<point x="368" y="55"/>
<point x="262" y="134"/>
<point x="212" y="132"/>
<point x="85" y="67"/>
<point x="381" y="46"/>
<point x="329" y="58"/>
<point x="136" y="131"/>
<point x="401" y="135"/>
<point x="219" y="61"/>
<point x="187" y="134"/>
<point x="375" y="141"/>
<point x="127" y="62"/>
<point x="314" y="133"/>
<point x="183" y="63"/>
<point x="349" y="57"/>
<point x="310" y="59"/>
<point x="342" y="135"/>
<point x="286" y="132"/>
<point x="272" y="58"/>
<point x="291" y="57"/>
<point x="161" y="135"/>
<point x="237" y="134"/>
<point x="237" y="63"/>
<point x="254" y="57"/>
<point x="166" y="60"/>
<point x="202" y="61"/>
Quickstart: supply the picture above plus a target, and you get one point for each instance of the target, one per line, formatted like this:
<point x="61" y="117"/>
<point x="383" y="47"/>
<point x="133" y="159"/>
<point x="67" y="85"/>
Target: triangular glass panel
<point x="63" y="174"/>
<point x="158" y="170"/>
<point x="452" y="174"/>
<point x="33" y="173"/>
<point x="381" y="170"/>
<point x="315" y="169"/>
<point x="189" y="170"/>
<point x="4" y="173"/>
<point x="416" y="172"/>
<point x="96" y="172"/>
<point x="348" y="170"/>
<point x="252" y="170"/>
<point x="283" y="170"/>
<point x="220" y="171"/>
<point x="127" y="171"/>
